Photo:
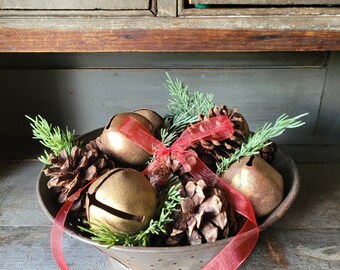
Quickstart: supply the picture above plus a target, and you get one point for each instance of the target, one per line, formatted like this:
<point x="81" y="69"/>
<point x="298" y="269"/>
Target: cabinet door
<point x="266" y="2"/>
<point x="74" y="5"/>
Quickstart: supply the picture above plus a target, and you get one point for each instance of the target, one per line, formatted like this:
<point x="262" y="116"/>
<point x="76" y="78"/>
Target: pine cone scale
<point x="70" y="172"/>
<point x="203" y="216"/>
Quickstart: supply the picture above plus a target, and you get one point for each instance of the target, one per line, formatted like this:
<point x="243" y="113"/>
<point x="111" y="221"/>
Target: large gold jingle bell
<point x="122" y="199"/>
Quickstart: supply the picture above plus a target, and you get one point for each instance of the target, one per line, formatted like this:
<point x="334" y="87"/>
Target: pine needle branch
<point x="184" y="107"/>
<point x="260" y="139"/>
<point x="186" y="102"/>
<point x="102" y="234"/>
<point x="52" y="138"/>
<point x="173" y="127"/>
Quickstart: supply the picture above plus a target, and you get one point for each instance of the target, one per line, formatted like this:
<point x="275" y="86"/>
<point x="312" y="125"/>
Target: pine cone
<point x="205" y="216"/>
<point x="268" y="152"/>
<point x="70" y="172"/>
<point x="159" y="177"/>
<point x="212" y="151"/>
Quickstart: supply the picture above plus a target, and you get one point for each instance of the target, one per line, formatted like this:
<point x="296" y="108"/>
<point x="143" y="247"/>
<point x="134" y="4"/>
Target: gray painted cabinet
<point x="82" y="91"/>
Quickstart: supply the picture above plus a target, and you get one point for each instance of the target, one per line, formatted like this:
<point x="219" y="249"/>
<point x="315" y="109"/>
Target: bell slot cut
<point x="250" y="161"/>
<point x="111" y="210"/>
<point x="109" y="124"/>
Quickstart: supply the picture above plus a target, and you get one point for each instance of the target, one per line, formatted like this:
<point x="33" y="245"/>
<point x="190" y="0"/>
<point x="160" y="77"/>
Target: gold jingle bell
<point x="155" y="119"/>
<point x="120" y="148"/>
<point x="258" y="181"/>
<point x="122" y="199"/>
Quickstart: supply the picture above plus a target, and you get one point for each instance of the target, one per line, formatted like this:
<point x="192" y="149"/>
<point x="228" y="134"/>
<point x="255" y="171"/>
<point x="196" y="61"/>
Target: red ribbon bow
<point x="217" y="128"/>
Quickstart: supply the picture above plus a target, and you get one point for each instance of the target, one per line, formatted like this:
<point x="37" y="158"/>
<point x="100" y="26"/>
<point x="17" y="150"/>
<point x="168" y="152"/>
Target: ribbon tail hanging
<point x="56" y="236"/>
<point x="240" y="247"/>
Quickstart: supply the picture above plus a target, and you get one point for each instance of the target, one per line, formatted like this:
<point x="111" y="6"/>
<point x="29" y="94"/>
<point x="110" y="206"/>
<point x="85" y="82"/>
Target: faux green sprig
<point x="184" y="107"/>
<point x="173" y="127"/>
<point x="185" y="102"/>
<point x="53" y="138"/>
<point x="102" y="234"/>
<point x="260" y="139"/>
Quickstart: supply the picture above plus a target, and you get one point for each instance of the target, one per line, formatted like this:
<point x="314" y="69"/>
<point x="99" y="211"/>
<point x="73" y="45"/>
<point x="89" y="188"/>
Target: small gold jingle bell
<point x="120" y="148"/>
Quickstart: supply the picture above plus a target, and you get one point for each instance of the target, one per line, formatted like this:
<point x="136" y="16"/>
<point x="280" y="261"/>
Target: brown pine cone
<point x="71" y="172"/>
<point x="268" y="152"/>
<point x="159" y="177"/>
<point x="212" y="151"/>
<point x="205" y="216"/>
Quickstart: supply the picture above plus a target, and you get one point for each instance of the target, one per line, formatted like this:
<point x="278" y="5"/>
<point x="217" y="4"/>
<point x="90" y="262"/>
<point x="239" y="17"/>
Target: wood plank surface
<point x="221" y="30"/>
<point x="305" y="238"/>
<point x="166" y="40"/>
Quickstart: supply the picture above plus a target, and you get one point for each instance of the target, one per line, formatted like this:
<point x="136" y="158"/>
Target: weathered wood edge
<point x="166" y="40"/>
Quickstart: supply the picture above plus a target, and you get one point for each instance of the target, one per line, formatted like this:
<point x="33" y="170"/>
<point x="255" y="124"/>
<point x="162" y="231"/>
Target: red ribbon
<point x="217" y="128"/>
<point x="56" y="236"/>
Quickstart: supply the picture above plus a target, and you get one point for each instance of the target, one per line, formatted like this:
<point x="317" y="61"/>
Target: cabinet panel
<point x="86" y="99"/>
<point x="66" y="4"/>
<point x="266" y="2"/>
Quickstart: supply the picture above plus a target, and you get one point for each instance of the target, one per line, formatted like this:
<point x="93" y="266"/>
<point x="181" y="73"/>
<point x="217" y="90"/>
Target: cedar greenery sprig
<point x="260" y="139"/>
<point x="102" y="234"/>
<point x="184" y="102"/>
<point x="173" y="127"/>
<point x="184" y="107"/>
<point x="53" y="138"/>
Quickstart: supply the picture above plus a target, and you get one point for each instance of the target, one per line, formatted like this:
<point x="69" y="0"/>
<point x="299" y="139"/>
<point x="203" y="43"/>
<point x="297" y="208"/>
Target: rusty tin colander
<point x="170" y="258"/>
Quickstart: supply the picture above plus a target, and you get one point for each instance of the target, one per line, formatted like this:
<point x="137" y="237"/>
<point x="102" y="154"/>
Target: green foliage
<point x="53" y="138"/>
<point x="184" y="107"/>
<point x="185" y="102"/>
<point x="173" y="127"/>
<point x="260" y="139"/>
<point x="103" y="235"/>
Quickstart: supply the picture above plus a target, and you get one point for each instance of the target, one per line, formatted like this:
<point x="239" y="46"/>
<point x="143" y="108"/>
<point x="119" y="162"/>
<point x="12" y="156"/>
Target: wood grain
<point x="163" y="40"/>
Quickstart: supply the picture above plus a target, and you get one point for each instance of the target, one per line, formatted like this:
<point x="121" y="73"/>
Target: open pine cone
<point x="70" y="172"/>
<point x="159" y="177"/>
<point x="205" y="216"/>
<point x="211" y="152"/>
